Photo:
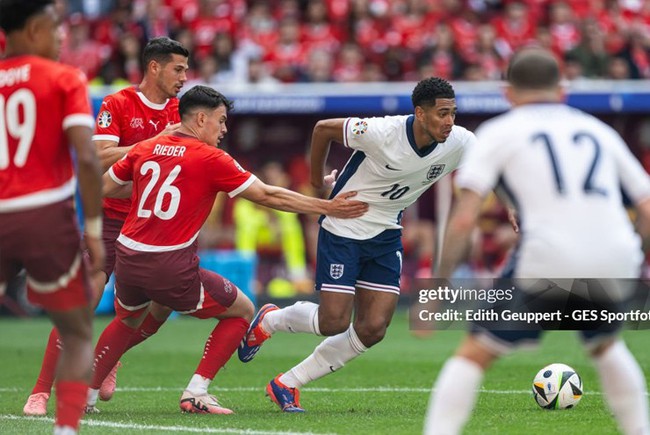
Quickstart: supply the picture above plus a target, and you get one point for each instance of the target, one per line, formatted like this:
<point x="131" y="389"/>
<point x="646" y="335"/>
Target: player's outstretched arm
<point x="457" y="237"/>
<point x="90" y="183"/>
<point x="109" y="152"/>
<point x="643" y="222"/>
<point x="113" y="189"/>
<point x="287" y="200"/>
<point x="325" y="131"/>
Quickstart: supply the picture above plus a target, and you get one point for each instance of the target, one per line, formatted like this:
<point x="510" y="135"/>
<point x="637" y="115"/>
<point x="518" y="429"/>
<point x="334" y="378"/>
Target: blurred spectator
<point x="406" y="39"/>
<point x="515" y="27"/>
<point x="618" y="69"/>
<point x="258" y="72"/>
<point x="490" y="55"/>
<point x="590" y="54"/>
<point x="80" y="50"/>
<point x="155" y="18"/>
<point x="288" y="54"/>
<point x="214" y="17"/>
<point x="91" y="8"/>
<point x="441" y="60"/>
<point x="636" y="52"/>
<point x="319" y="67"/>
<point x="128" y="56"/>
<point x="563" y="27"/>
<point x="349" y="64"/>
<point x="317" y="31"/>
<point x="109" y="75"/>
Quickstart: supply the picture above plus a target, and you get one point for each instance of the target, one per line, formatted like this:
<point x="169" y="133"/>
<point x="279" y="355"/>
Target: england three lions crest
<point x="336" y="270"/>
<point x="435" y="171"/>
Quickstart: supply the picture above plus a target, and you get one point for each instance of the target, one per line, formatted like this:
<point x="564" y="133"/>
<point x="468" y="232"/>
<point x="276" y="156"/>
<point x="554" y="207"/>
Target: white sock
<point x="453" y="397"/>
<point x="64" y="430"/>
<point x="329" y="356"/>
<point x="198" y="385"/>
<point x="91" y="399"/>
<point x="299" y="317"/>
<point x="624" y="387"/>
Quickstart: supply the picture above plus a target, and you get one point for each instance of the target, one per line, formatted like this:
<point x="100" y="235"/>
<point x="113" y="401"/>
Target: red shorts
<point x="110" y="231"/>
<point x="172" y="279"/>
<point x="46" y="242"/>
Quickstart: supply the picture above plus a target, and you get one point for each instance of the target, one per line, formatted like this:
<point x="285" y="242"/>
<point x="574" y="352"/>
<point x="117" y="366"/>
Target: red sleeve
<point x="228" y="175"/>
<point x="107" y="126"/>
<point x="122" y="171"/>
<point x="76" y="107"/>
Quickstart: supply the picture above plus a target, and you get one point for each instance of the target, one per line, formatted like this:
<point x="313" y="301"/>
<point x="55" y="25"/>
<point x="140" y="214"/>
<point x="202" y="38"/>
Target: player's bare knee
<point x="248" y="309"/>
<point x="600" y="348"/>
<point x="332" y="325"/>
<point x="370" y="333"/>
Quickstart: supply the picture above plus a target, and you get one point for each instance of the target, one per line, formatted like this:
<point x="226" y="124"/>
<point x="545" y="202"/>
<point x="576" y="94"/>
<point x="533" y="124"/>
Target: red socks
<point x="109" y="349"/>
<point x="221" y="344"/>
<point x="48" y="367"/>
<point x="70" y="402"/>
<point x="148" y="328"/>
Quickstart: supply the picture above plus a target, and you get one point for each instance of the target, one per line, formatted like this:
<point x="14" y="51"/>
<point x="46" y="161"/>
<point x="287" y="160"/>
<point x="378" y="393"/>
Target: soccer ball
<point x="557" y="386"/>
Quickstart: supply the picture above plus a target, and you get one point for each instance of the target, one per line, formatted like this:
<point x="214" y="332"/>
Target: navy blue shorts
<point x="592" y="333"/>
<point x="342" y="264"/>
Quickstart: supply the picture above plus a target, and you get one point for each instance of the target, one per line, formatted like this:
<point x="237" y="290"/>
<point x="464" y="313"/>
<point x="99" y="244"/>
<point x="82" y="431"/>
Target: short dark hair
<point x="428" y="90"/>
<point x="203" y="97"/>
<point x="161" y="49"/>
<point x="15" y="13"/>
<point x="533" y="68"/>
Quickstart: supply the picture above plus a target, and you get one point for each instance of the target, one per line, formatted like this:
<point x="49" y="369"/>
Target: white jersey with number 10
<point x="389" y="172"/>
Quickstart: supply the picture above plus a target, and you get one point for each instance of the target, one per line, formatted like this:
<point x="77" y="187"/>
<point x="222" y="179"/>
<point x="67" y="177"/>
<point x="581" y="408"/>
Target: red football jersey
<point x="175" y="181"/>
<point x="127" y="117"/>
<point x="39" y="100"/>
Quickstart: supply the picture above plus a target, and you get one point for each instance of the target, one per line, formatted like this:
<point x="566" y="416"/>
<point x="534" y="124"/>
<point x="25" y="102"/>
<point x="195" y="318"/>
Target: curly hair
<point x="428" y="90"/>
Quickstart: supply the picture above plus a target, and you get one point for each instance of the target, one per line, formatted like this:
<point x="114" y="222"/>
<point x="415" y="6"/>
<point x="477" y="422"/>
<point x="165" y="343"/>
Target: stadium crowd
<point x="257" y="41"/>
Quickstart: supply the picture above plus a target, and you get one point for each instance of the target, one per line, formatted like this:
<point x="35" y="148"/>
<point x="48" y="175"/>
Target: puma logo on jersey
<point x="155" y="124"/>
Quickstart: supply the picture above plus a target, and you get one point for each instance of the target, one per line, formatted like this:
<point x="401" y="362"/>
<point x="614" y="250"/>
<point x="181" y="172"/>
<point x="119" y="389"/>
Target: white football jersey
<point x="389" y="172"/>
<point x="564" y="170"/>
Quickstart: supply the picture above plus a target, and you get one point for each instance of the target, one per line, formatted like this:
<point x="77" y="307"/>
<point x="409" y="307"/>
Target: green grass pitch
<point x="384" y="391"/>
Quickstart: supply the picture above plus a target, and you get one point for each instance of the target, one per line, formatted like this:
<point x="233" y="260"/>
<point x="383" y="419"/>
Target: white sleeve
<point x="365" y="134"/>
<point x="483" y="161"/>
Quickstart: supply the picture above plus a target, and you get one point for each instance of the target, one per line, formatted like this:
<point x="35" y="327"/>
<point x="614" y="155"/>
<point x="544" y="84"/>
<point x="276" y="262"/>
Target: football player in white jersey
<point x="564" y="170"/>
<point x="395" y="159"/>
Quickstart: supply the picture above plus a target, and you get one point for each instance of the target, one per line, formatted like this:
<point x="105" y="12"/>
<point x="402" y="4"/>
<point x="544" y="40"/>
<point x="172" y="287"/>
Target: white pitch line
<point x="307" y="389"/>
<point x="118" y="425"/>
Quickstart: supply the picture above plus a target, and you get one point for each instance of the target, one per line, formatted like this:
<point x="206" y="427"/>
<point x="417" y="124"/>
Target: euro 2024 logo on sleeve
<point x="336" y="270"/>
<point x="359" y="127"/>
<point x="104" y="119"/>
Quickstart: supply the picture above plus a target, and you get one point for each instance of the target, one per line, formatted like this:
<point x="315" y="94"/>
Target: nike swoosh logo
<point x="392" y="169"/>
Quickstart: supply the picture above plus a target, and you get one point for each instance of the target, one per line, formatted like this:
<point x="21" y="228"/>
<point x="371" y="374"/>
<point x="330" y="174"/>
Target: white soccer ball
<point x="557" y="386"/>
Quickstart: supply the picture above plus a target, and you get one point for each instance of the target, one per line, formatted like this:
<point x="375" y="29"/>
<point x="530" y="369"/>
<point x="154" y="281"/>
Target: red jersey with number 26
<point x="39" y="100"/>
<point x="175" y="181"/>
<point x="128" y="117"/>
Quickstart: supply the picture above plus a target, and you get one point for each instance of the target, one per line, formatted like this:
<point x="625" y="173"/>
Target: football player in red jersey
<point x="175" y="180"/>
<point x="44" y="107"/>
<point x="125" y="118"/>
